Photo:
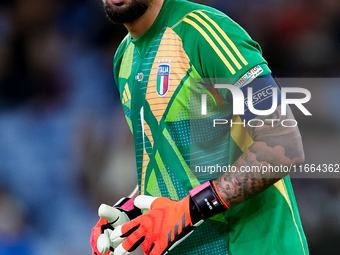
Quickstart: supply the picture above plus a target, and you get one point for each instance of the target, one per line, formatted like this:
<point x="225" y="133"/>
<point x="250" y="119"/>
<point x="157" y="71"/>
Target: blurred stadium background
<point x="64" y="144"/>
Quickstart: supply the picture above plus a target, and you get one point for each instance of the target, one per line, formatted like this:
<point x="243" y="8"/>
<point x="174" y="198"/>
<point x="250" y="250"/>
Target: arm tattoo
<point x="273" y="145"/>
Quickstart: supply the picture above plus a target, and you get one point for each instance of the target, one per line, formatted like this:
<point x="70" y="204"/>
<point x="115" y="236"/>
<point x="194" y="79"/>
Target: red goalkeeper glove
<point x="111" y="217"/>
<point x="168" y="222"/>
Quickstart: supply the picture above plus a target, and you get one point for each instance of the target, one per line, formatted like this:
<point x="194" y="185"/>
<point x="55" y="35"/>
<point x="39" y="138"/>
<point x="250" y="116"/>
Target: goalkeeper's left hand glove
<point x="111" y="217"/>
<point x="168" y="222"/>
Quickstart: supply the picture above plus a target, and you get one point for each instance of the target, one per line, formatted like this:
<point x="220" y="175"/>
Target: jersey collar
<point x="144" y="41"/>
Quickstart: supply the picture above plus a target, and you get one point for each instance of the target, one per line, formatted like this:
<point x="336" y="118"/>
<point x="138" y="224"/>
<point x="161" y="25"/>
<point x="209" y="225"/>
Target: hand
<point x="111" y="217"/>
<point x="167" y="224"/>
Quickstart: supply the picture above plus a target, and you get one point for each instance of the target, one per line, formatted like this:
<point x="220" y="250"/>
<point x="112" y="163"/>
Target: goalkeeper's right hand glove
<point x="111" y="217"/>
<point x="168" y="222"/>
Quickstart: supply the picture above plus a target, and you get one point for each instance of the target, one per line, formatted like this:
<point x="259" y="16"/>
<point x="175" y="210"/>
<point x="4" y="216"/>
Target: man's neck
<point x="140" y="25"/>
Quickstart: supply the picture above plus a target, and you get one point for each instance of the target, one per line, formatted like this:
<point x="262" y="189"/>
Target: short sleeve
<point x="218" y="47"/>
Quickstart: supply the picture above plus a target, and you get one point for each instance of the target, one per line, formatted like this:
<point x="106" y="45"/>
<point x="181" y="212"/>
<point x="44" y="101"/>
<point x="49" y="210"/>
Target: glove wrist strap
<point x="126" y="205"/>
<point x="207" y="200"/>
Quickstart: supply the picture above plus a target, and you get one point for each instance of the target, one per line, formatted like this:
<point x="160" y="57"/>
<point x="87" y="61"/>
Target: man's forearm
<point x="273" y="146"/>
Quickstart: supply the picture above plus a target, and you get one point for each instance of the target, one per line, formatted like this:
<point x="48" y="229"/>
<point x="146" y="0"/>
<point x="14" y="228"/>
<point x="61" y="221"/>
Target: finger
<point x="108" y="213"/>
<point x="103" y="243"/>
<point x="115" y="237"/>
<point x="144" y="202"/>
<point x="119" y="235"/>
<point x="131" y="234"/>
<point x="148" y="244"/>
<point x="112" y="215"/>
<point x="134" y="240"/>
<point x="138" y="232"/>
<point x="121" y="251"/>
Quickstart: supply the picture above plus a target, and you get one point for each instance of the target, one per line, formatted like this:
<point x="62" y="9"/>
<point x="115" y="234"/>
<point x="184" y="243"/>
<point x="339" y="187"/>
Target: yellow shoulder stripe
<point x="230" y="42"/>
<point x="218" y="39"/>
<point x="212" y="44"/>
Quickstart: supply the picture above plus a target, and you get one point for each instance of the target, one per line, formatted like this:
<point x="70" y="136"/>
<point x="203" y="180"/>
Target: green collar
<point x="144" y="41"/>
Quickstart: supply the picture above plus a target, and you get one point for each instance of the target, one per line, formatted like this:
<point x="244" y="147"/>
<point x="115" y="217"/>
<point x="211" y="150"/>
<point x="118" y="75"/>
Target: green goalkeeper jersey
<point x="157" y="76"/>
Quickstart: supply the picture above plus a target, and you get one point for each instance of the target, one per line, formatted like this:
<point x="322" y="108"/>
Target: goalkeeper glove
<point x="168" y="222"/>
<point x="111" y="217"/>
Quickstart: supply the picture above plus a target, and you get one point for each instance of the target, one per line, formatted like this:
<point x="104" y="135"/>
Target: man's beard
<point x="127" y="13"/>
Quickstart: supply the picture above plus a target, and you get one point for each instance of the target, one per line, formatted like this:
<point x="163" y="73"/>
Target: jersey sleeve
<point x="218" y="47"/>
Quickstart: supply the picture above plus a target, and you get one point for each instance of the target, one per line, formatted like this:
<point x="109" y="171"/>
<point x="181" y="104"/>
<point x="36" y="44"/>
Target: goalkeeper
<point x="160" y="69"/>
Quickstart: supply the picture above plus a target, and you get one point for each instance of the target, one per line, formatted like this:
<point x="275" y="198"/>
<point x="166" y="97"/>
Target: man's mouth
<point x="117" y="2"/>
